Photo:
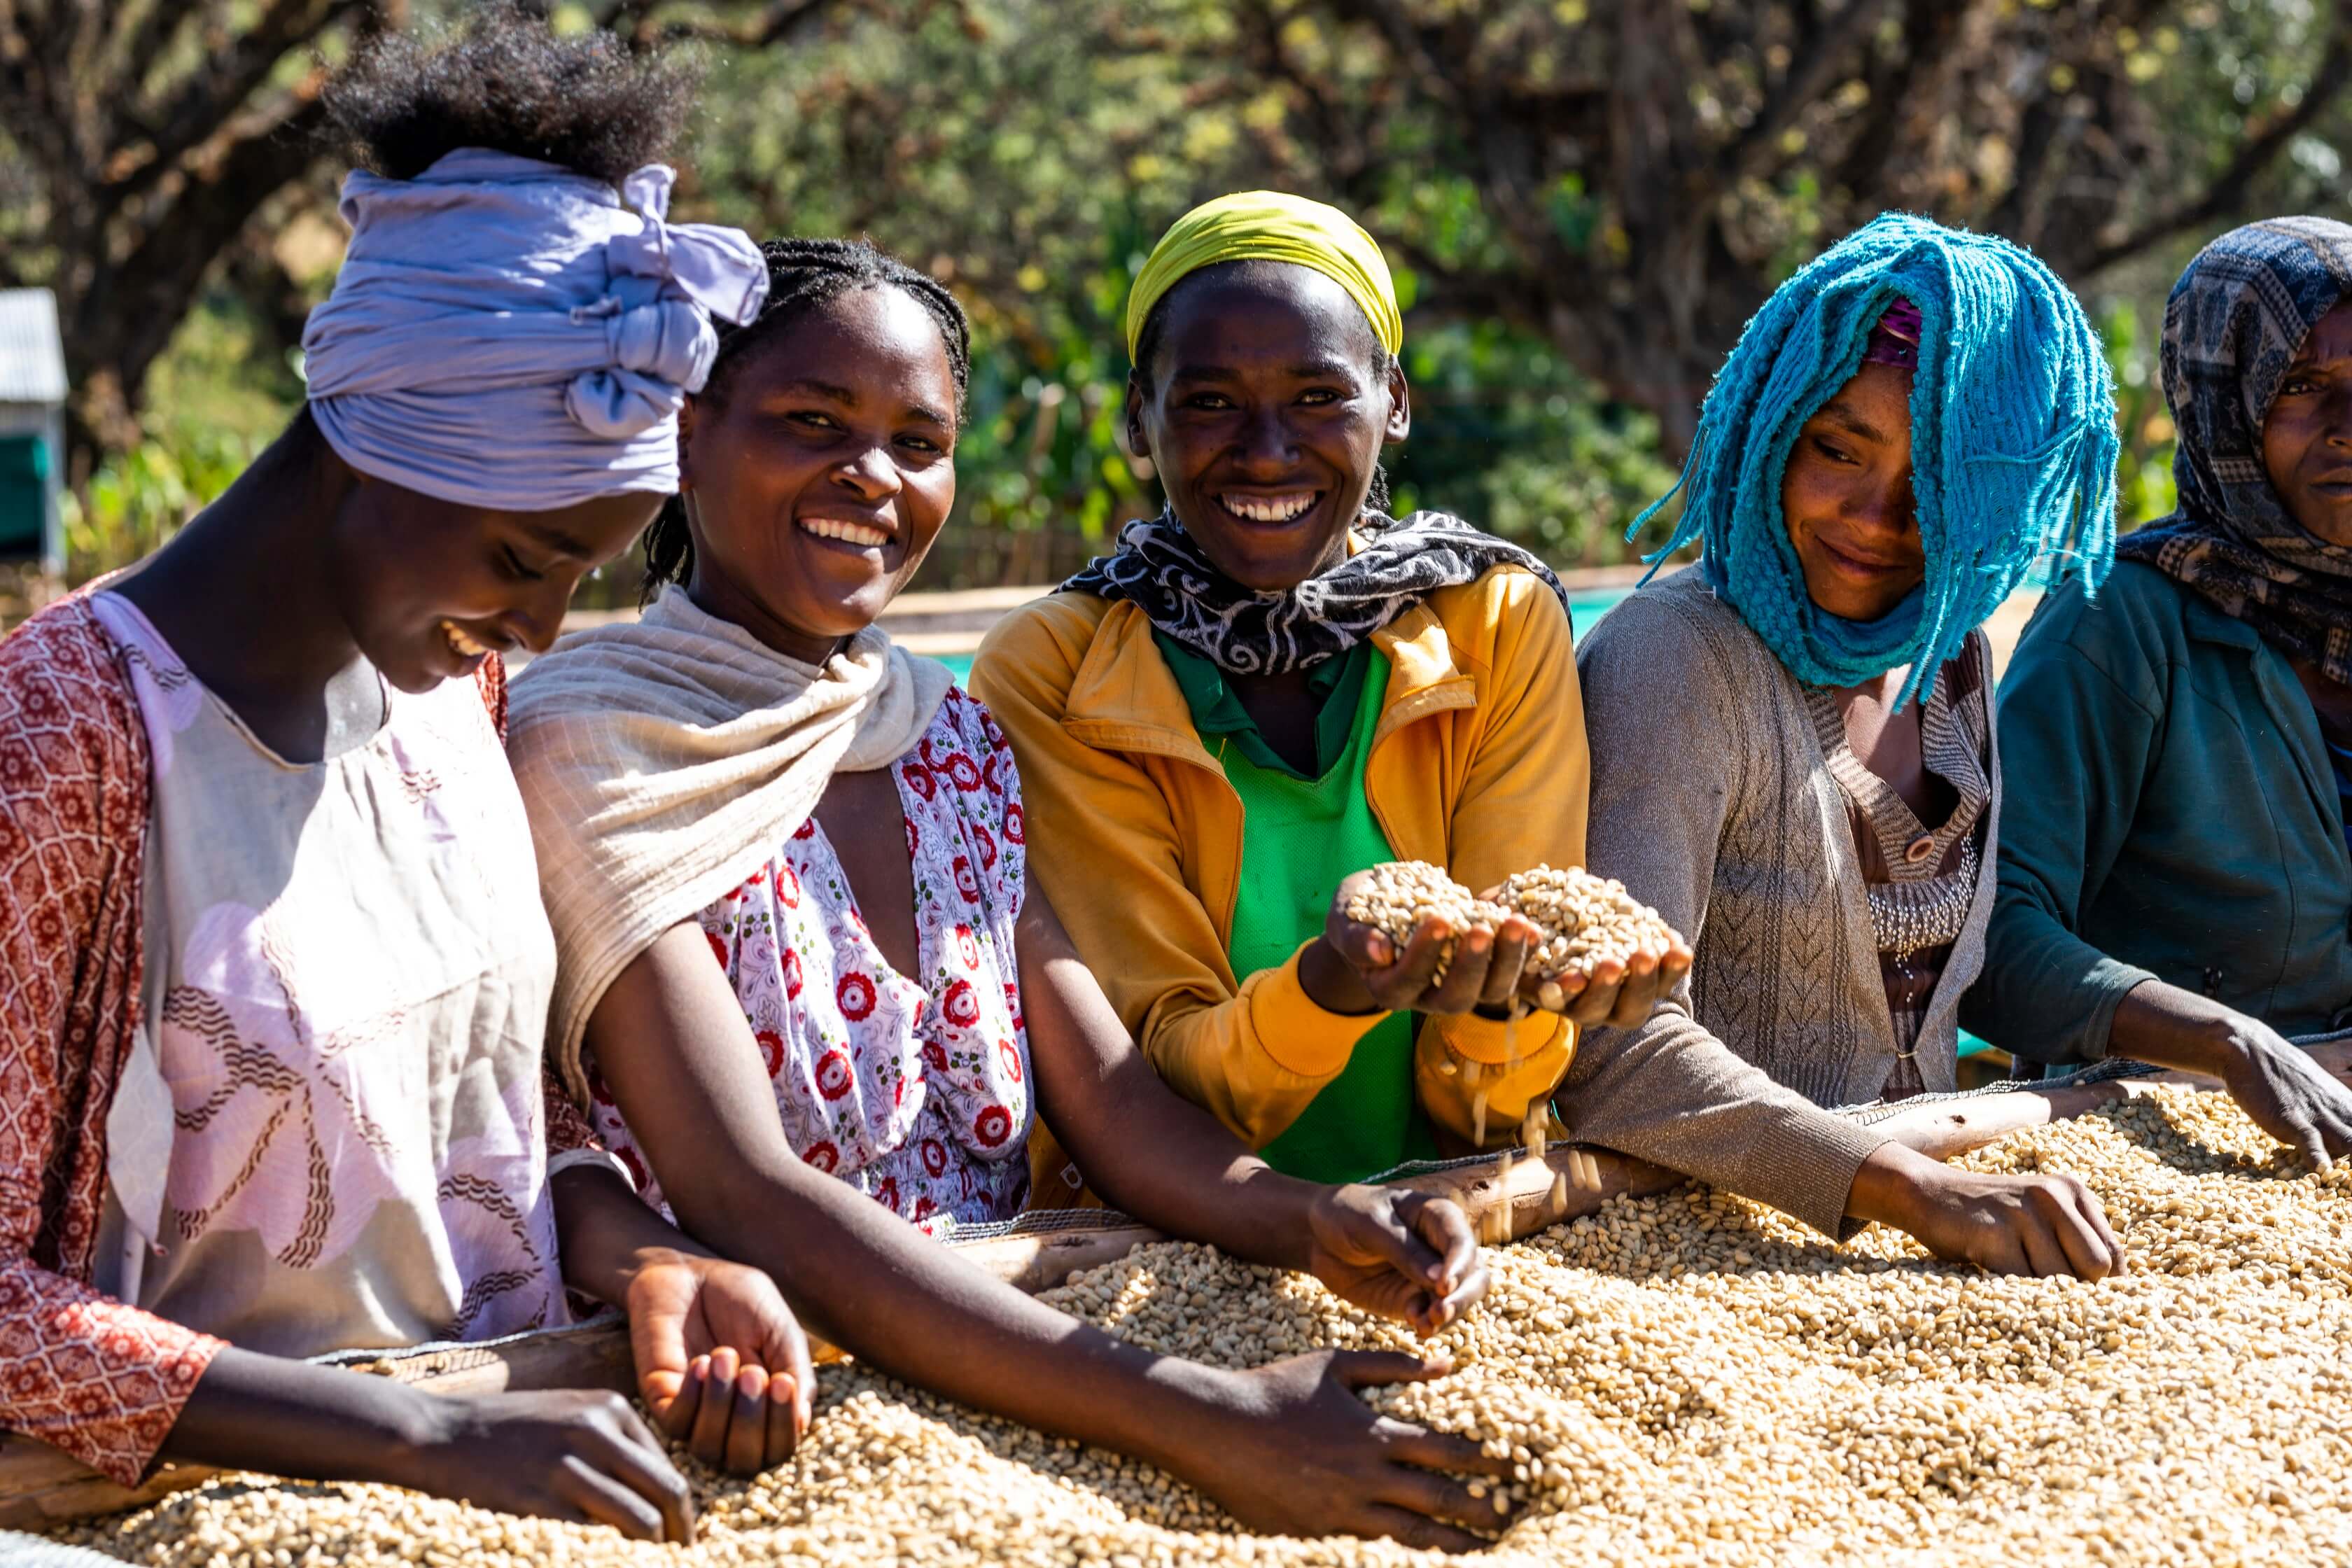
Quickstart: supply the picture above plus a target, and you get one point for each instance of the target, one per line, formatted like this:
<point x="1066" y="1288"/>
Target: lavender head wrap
<point x="506" y="333"/>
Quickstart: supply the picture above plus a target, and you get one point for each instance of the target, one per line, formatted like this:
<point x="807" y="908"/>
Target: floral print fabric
<point x="913" y="1088"/>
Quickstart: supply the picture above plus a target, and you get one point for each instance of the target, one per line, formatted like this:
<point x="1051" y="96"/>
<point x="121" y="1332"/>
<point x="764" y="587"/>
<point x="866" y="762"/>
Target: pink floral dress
<point x="915" y="1089"/>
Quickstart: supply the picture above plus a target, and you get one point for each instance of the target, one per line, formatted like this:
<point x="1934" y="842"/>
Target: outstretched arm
<point x="1286" y="1446"/>
<point x="1166" y="1161"/>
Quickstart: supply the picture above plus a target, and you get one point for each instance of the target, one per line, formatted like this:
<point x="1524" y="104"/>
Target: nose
<point x="871" y="474"/>
<point x="1885" y="505"/>
<point x="1265" y="445"/>
<point x="2337" y="414"/>
<point x="539" y="620"/>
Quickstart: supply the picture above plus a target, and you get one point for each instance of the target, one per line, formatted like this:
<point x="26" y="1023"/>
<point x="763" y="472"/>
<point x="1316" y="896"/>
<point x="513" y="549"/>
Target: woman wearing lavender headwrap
<point x="2175" y="882"/>
<point x="271" y="1078"/>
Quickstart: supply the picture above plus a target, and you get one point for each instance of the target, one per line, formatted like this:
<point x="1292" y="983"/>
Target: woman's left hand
<point x="1623" y="996"/>
<point x="722" y="1365"/>
<point x="1401" y="1254"/>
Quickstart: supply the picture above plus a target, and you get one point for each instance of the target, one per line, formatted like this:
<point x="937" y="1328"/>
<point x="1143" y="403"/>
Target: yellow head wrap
<point x="1266" y="226"/>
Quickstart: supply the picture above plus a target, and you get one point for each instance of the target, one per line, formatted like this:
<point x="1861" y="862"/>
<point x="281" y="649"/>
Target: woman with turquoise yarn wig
<point x="1911" y="427"/>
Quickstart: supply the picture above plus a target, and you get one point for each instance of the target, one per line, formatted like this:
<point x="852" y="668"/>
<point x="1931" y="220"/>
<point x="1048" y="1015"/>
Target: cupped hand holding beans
<point x="1606" y="957"/>
<point x="722" y="1365"/>
<point x="1406" y="936"/>
<point x="1457" y="957"/>
<point x="1401" y="1254"/>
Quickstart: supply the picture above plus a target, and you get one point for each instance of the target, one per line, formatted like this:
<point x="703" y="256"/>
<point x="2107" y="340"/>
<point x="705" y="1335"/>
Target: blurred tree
<point x="1631" y="177"/>
<point x="1627" y="178"/>
<point x="1585" y="198"/>
<point x="141" y="139"/>
<point x="1597" y="192"/>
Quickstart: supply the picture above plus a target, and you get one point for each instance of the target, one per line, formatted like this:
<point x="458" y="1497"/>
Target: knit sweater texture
<point x="1713" y="800"/>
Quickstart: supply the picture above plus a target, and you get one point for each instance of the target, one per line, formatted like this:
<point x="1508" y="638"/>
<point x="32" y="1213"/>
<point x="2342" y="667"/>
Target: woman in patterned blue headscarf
<point x="2175" y="880"/>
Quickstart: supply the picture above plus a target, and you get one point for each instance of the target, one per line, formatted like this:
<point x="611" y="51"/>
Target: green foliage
<point x="215" y="399"/>
<point x="1507" y="434"/>
<point x="2144" y="475"/>
<point x="139" y="499"/>
<point x="1028" y="152"/>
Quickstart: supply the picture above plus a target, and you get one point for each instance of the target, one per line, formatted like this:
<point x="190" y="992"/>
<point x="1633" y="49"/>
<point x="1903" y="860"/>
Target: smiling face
<point x="1846" y="498"/>
<point x="2308" y="434"/>
<point x="430" y="588"/>
<point x="1268" y="403"/>
<point x="817" y="482"/>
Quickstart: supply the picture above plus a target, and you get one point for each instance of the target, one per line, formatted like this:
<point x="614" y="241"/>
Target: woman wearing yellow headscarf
<point x="1273" y="687"/>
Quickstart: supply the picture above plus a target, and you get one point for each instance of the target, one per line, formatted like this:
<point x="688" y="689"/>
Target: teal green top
<point x="1300" y="838"/>
<point x="1337" y="684"/>
<point x="2170" y="812"/>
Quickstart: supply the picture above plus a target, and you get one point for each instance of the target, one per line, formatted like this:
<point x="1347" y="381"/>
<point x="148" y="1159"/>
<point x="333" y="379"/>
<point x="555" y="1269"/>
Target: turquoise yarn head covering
<point x="2013" y="444"/>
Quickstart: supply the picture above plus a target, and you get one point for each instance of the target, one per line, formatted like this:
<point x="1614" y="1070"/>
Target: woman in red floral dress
<point x="801" y="958"/>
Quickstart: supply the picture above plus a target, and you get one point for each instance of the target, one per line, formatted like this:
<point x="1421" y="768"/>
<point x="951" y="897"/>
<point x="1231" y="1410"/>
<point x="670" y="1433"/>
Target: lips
<point x="844" y="530"/>
<point x="1288" y="506"/>
<point x="1848" y="561"/>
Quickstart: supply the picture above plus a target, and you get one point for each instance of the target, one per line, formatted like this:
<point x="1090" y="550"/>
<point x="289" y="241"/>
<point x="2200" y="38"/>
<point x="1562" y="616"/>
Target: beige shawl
<point x="664" y="762"/>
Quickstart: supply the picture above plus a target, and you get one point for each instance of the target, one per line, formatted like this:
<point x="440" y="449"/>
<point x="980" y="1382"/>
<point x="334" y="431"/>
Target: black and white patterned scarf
<point x="2232" y="326"/>
<point x="1160" y="570"/>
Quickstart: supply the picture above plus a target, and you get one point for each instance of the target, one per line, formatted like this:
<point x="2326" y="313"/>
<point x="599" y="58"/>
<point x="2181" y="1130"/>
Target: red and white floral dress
<point x="915" y="1089"/>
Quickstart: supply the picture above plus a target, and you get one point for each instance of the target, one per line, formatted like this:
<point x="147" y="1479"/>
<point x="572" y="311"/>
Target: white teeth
<point x="1270" y="509"/>
<point x="847" y="533"/>
<point x="465" y="647"/>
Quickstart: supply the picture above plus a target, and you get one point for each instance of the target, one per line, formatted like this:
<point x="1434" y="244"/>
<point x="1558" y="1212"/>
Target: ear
<point x="1400" y="423"/>
<point x="684" y="431"/>
<point x="1137" y="446"/>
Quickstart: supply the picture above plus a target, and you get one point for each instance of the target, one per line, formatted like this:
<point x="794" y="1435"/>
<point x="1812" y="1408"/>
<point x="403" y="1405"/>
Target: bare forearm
<point x="1888" y="1189"/>
<point x="892" y="1297"/>
<point x="604" y="1232"/>
<point x="1142" y="1146"/>
<point x="2169" y="1027"/>
<point x="251" y="1412"/>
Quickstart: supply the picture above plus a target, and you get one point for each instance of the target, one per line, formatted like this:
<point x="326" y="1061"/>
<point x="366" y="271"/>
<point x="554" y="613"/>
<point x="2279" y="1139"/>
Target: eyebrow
<point x="1847" y="419"/>
<point x="848" y="399"/>
<point x="557" y="540"/>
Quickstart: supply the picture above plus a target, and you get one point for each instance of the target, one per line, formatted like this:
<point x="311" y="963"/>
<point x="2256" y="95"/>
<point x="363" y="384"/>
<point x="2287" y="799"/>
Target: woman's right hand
<point x="2287" y="1094"/>
<point x="2277" y="1083"/>
<point x="1357" y="968"/>
<point x="584" y="1457"/>
<point x="2043" y="1226"/>
<point x="1302" y="1455"/>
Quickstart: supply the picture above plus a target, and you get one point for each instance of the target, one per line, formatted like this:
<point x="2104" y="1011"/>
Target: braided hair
<point x="802" y="274"/>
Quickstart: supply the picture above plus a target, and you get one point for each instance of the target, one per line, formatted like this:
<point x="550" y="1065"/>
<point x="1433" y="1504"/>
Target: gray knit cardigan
<point x="1712" y="799"/>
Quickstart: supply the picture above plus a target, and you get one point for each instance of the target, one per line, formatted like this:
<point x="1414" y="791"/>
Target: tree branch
<point x="2224" y="193"/>
<point x="207" y="101"/>
<point x="1819" y="58"/>
<point x="777" y="22"/>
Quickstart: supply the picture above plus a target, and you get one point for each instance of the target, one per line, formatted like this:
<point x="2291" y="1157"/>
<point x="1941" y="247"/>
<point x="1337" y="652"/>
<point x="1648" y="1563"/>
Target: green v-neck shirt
<point x="1300" y="836"/>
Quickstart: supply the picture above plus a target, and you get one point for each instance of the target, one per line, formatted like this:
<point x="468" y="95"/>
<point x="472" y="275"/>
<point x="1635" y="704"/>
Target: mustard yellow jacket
<point x="1478" y="763"/>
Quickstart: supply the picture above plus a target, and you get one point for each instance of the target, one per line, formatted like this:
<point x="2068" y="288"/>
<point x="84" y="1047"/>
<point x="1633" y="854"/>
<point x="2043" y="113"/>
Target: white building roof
<point x="32" y="355"/>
